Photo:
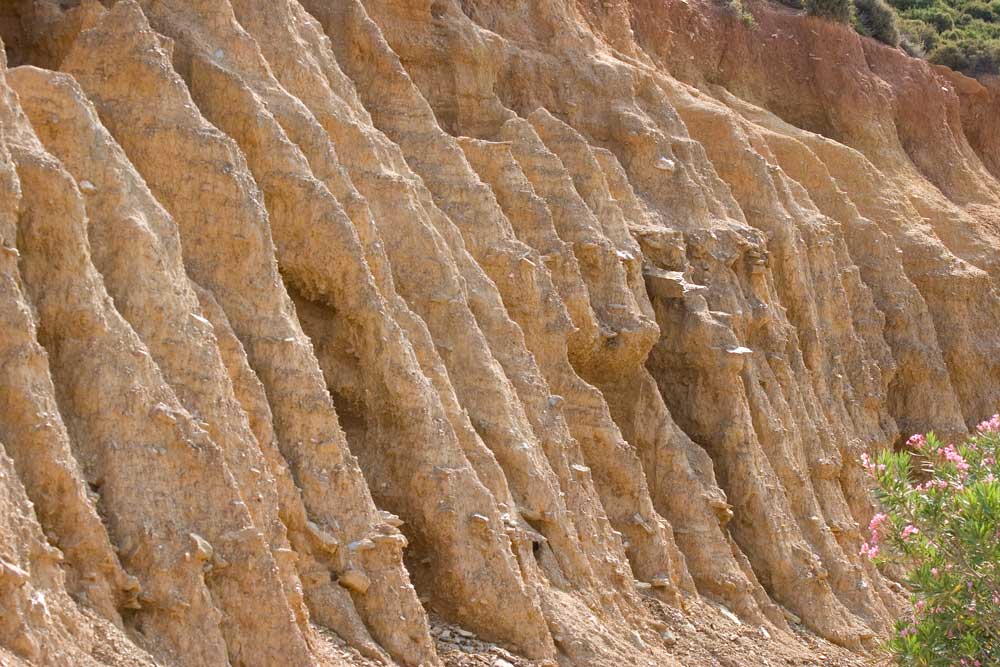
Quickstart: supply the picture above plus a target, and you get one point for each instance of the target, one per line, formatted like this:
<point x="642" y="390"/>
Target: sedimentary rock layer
<point x="327" y="322"/>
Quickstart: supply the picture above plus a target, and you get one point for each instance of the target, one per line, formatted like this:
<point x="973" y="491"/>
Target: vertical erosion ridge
<point x="379" y="332"/>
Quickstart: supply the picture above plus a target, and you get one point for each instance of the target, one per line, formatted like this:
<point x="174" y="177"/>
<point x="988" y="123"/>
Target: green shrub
<point x="919" y="34"/>
<point x="968" y="56"/>
<point x="739" y="10"/>
<point x="961" y="34"/>
<point x="833" y="10"/>
<point x="981" y="11"/>
<point x="941" y="528"/>
<point x="877" y="19"/>
<point x="940" y="19"/>
<point x="950" y="55"/>
<point x="904" y="5"/>
<point x="912" y="49"/>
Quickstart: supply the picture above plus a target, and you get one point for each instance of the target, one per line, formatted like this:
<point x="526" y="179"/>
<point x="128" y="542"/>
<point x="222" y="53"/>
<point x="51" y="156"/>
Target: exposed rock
<point x="577" y="316"/>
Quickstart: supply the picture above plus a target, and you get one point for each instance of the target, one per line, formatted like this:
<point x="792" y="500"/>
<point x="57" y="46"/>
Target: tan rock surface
<point x="577" y="316"/>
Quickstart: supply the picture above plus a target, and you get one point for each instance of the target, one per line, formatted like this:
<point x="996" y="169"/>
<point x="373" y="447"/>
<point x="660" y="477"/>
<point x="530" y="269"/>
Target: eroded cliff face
<point x="458" y="332"/>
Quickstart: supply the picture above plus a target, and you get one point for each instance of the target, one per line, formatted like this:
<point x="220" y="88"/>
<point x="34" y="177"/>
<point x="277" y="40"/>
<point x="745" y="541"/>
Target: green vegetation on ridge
<point x="961" y="34"/>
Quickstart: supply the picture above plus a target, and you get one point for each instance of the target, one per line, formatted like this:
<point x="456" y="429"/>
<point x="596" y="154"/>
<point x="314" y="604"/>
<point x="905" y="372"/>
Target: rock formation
<point x="446" y="333"/>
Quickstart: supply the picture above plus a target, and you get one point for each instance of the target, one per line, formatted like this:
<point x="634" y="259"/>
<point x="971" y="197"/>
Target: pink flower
<point x="934" y="572"/>
<point x="917" y="440"/>
<point x="952" y="455"/>
<point x="909" y="530"/>
<point x="870" y="465"/>
<point x="873" y="527"/>
<point x="991" y="425"/>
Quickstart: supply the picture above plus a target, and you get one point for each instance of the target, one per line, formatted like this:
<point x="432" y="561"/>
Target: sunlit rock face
<point x="384" y="332"/>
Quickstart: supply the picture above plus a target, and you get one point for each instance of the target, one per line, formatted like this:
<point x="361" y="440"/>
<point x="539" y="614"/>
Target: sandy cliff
<point x="457" y="332"/>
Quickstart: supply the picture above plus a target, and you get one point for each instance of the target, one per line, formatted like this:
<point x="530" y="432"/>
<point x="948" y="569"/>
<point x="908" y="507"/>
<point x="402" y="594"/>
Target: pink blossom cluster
<point x="917" y="441"/>
<point x="870" y="465"/>
<point x="991" y="425"/>
<point x="950" y="453"/>
<point x="871" y="547"/>
<point x="931" y="484"/>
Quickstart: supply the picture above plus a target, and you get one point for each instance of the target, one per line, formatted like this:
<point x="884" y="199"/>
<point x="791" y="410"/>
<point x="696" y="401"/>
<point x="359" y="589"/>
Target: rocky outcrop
<point x="381" y="332"/>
